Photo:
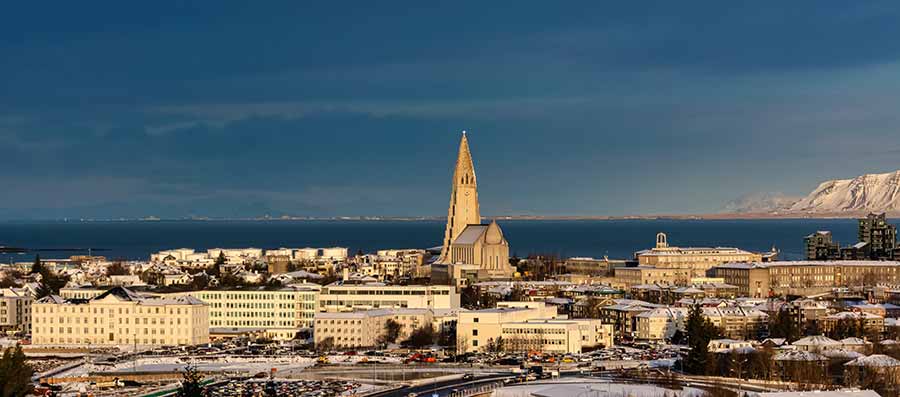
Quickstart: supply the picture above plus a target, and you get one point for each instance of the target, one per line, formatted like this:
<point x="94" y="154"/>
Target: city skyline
<point x="163" y="110"/>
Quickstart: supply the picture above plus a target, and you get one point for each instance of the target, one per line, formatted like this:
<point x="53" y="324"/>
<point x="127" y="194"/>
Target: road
<point x="443" y="388"/>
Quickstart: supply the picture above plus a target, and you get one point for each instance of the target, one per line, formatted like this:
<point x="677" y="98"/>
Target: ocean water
<point x="614" y="238"/>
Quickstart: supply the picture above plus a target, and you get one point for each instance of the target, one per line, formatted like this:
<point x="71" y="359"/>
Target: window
<point x="474" y="332"/>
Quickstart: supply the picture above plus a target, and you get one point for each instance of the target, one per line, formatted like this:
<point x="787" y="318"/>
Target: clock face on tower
<point x="466" y="193"/>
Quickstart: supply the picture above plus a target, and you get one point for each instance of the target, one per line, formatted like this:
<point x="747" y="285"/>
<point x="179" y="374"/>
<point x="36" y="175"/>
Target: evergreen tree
<point x="15" y="373"/>
<point x="783" y="325"/>
<point x="37" y="266"/>
<point x="221" y="259"/>
<point x="699" y="332"/>
<point x="191" y="383"/>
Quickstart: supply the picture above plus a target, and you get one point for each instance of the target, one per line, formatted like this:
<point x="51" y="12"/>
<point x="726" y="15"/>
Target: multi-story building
<point x="876" y="240"/>
<point x="760" y="280"/>
<point x="15" y="310"/>
<point x="555" y="336"/>
<point x="735" y="322"/>
<point x="591" y="266"/>
<point x="478" y="329"/>
<point x="880" y="236"/>
<point x="638" y="275"/>
<point x="120" y="317"/>
<point x="872" y="324"/>
<point x="363" y="328"/>
<point x="343" y="297"/>
<point x="696" y="259"/>
<point x="276" y="313"/>
<point x="821" y="246"/>
<point x="623" y="315"/>
<point x="660" y="323"/>
<point x="739" y="322"/>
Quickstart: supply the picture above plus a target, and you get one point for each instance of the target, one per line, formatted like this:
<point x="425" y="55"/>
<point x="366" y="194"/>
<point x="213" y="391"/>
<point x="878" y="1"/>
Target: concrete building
<point x="696" y="259"/>
<point x="120" y="317"/>
<point x="15" y="310"/>
<point x="880" y="236"/>
<point x="821" y="246"/>
<point x="661" y="323"/>
<point x="361" y="329"/>
<point x="345" y="297"/>
<point x="463" y="209"/>
<point x="591" y="266"/>
<point x="738" y="322"/>
<point x="484" y="249"/>
<point x="761" y="280"/>
<point x="277" y="313"/>
<point x="639" y="275"/>
<point x="478" y="329"/>
<point x="876" y="240"/>
<point x="470" y="250"/>
<point x="872" y="324"/>
<point x="555" y="336"/>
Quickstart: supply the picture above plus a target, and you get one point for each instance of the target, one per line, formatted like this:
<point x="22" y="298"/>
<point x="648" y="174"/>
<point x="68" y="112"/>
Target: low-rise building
<point x="120" y="317"/>
<point x="727" y="345"/>
<point x="363" y="328"/>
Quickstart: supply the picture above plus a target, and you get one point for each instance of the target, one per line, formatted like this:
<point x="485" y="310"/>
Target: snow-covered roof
<point x="799" y="355"/>
<point x="816" y="340"/>
<point x="842" y="354"/>
<point x="854" y="342"/>
<point x="853" y="315"/>
<point x="875" y="360"/>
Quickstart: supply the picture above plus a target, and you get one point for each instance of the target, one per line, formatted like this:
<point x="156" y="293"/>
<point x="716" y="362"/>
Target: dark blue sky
<point x="112" y="109"/>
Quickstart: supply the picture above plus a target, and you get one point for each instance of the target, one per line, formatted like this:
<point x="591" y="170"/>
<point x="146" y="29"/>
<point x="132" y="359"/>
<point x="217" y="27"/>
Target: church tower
<point x="463" y="209"/>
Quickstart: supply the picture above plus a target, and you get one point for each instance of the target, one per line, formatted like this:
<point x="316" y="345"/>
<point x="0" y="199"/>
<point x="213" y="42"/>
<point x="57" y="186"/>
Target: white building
<point x="341" y="297"/>
<point x="363" y="328"/>
<point x="277" y="313"/>
<point x="15" y="310"/>
<point x="476" y="330"/>
<point x="280" y="313"/>
<point x="334" y="253"/>
<point x="557" y="336"/>
<point x="120" y="317"/>
<point x="660" y="323"/>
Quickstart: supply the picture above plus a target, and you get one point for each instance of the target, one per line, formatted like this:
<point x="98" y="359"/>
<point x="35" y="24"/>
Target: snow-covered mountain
<point x="760" y="202"/>
<point x="871" y="192"/>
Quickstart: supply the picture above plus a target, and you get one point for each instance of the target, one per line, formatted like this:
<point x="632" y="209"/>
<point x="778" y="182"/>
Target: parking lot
<point x="304" y="388"/>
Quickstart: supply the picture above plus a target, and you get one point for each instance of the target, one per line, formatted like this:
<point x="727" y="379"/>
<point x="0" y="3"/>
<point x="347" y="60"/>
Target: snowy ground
<point x="591" y="387"/>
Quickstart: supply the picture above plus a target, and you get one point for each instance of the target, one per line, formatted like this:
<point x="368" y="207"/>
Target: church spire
<point x="463" y="210"/>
